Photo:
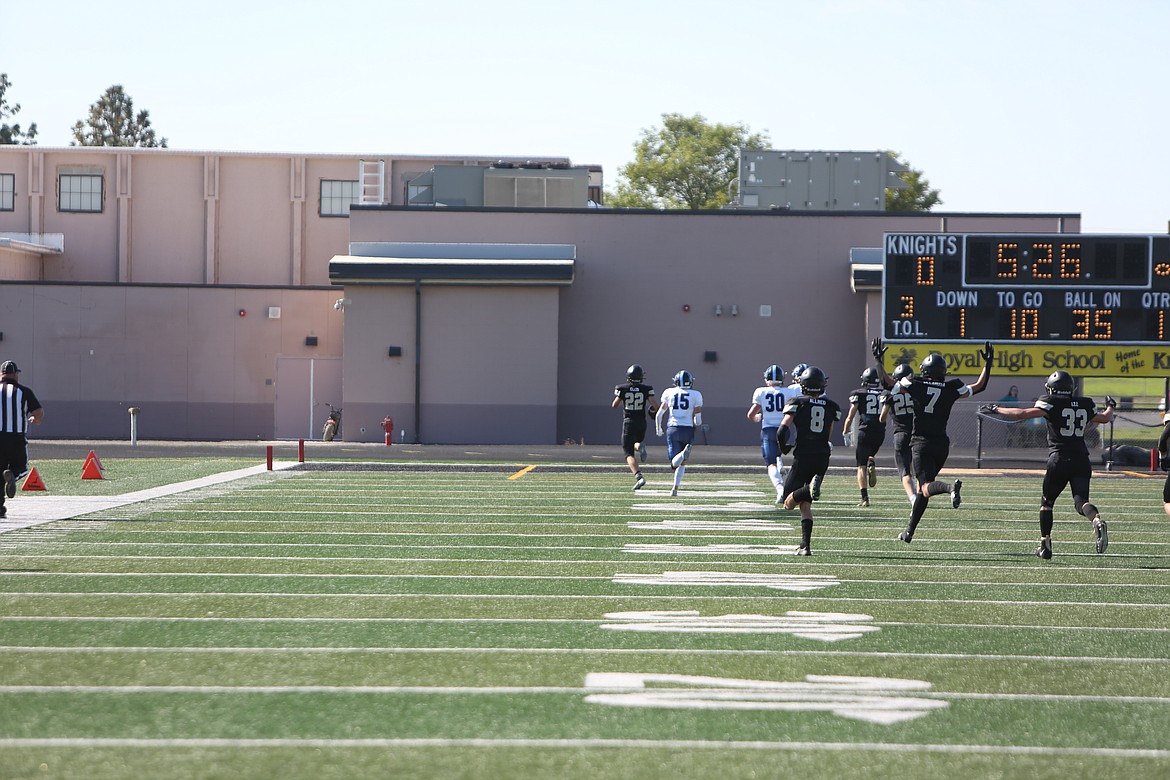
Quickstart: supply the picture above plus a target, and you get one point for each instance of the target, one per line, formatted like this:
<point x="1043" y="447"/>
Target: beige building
<point x="236" y="295"/>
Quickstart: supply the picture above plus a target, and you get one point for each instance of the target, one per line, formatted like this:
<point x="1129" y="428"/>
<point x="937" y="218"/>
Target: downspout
<point x="417" y="359"/>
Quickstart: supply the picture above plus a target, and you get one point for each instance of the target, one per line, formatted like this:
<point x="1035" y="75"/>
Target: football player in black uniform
<point x="810" y="416"/>
<point x="1068" y="464"/>
<point x="1164" y="460"/>
<point x="901" y="409"/>
<point x="865" y="405"/>
<point x="933" y="396"/>
<point x="636" y="400"/>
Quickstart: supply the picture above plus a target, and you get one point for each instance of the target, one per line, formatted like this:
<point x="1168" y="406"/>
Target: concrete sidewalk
<point x="47" y="508"/>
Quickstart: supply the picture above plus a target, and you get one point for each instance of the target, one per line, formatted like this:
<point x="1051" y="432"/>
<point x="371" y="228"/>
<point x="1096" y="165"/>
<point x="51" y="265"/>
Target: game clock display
<point x="1031" y="288"/>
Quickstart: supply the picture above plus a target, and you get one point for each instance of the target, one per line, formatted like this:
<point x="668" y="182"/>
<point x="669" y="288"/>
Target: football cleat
<point x="674" y="490"/>
<point x="1044" y="551"/>
<point x="686" y="453"/>
<point x="803" y="551"/>
<point x="905" y="536"/>
<point x="1100" y="534"/>
<point x="956" y="499"/>
<point x="871" y="472"/>
<point x="641" y="448"/>
<point x="863" y="502"/>
<point x="3" y="511"/>
<point x="639" y="481"/>
<point x="816" y="488"/>
<point x="9" y="483"/>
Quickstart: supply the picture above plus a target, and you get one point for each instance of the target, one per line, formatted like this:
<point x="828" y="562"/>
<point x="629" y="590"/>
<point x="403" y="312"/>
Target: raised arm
<point x="988" y="355"/>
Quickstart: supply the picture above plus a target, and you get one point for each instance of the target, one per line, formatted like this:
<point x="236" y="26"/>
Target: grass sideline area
<point x="520" y="623"/>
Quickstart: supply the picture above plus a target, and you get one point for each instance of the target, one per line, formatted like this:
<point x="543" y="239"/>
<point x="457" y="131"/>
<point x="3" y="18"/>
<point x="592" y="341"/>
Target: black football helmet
<point x="635" y="373"/>
<point x="870" y="377"/>
<point x="774" y="374"/>
<point x="797" y="370"/>
<point x="813" y="381"/>
<point x="684" y="379"/>
<point x="934" y="367"/>
<point x="902" y="371"/>
<point x="1060" y="383"/>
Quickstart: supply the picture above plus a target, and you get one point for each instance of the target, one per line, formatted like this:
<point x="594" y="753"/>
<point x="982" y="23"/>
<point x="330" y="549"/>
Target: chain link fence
<point x="994" y="441"/>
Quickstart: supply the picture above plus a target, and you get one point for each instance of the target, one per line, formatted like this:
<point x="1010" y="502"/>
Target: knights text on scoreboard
<point x="1030" y="288"/>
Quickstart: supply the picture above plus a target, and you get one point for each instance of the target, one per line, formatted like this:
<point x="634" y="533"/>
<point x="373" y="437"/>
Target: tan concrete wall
<point x="636" y="272"/>
<point x="488" y="363"/>
<point x="185" y="356"/>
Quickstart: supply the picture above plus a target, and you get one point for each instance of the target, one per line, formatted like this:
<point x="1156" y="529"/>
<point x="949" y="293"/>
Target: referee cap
<point x="9" y="367"/>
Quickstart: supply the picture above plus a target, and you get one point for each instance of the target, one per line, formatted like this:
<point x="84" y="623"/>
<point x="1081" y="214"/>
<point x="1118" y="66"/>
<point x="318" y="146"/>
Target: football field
<point x="519" y="622"/>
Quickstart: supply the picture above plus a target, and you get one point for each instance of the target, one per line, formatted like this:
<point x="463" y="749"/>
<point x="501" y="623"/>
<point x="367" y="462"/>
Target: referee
<point x="18" y="407"/>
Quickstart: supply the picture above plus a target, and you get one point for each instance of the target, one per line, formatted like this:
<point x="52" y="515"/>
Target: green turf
<point x="63" y="477"/>
<point x="443" y="624"/>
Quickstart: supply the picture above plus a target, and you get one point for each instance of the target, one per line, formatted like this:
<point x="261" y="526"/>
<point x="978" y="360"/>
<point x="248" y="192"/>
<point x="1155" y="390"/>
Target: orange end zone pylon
<point x="34" y="482"/>
<point x="91" y="470"/>
<point x="92" y="456"/>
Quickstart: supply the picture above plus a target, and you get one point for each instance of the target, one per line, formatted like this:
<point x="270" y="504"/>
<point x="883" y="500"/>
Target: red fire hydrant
<point x="388" y="427"/>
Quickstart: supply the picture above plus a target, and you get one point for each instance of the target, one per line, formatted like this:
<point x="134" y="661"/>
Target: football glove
<point x="1110" y="402"/>
<point x="988" y="408"/>
<point x="848" y="439"/>
<point x="987" y="353"/>
<point x="878" y="349"/>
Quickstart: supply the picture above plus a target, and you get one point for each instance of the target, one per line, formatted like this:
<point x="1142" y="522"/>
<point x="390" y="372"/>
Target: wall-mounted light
<point x="394" y="352"/>
<point x="310" y="341"/>
<point x="341" y="303"/>
<point x="710" y="356"/>
<point x="718" y="310"/>
<point x="734" y="310"/>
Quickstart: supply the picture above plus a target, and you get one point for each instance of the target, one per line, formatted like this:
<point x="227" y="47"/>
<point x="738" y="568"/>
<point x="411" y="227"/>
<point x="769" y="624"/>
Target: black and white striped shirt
<point x="16" y="404"/>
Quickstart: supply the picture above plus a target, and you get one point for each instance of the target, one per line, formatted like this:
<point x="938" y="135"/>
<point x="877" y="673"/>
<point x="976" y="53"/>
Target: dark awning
<point x="455" y="264"/>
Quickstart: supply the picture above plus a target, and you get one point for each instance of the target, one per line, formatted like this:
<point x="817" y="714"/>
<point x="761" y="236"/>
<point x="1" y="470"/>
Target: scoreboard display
<point x="1063" y="288"/>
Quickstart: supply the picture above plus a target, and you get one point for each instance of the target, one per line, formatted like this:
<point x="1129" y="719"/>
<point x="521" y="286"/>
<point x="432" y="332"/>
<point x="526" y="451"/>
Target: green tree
<point x="12" y="134"/>
<point x="688" y="163"/>
<point x="917" y="195"/>
<point x="112" y="122"/>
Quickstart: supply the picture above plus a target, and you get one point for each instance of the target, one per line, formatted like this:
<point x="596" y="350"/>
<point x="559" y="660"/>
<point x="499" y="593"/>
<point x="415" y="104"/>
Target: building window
<point x="7" y="191"/>
<point x="80" y="192"/>
<point x="336" y="197"/>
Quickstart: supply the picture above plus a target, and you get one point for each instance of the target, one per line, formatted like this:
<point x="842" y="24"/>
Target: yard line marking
<point x="711" y="549"/>
<point x="822" y="626"/>
<point x="509" y="690"/>
<point x="521" y="472"/>
<point x="576" y="744"/>
<point x="797" y="621"/>
<point x="869" y="699"/>
<point x="138" y="649"/>
<point x="740" y="506"/>
<point x="754" y="524"/>
<point x="733" y="579"/>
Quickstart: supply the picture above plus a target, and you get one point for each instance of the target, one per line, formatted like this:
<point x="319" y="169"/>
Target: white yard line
<point x="47" y="509"/>
<point x="579" y="651"/>
<point x="576" y="744"/>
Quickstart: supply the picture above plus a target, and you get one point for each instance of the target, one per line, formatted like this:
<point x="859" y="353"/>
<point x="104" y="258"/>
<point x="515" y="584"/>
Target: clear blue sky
<point x="1005" y="105"/>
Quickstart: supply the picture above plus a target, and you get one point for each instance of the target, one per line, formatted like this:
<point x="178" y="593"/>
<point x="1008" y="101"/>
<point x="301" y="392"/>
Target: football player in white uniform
<point x="767" y="409"/>
<point x="678" y="415"/>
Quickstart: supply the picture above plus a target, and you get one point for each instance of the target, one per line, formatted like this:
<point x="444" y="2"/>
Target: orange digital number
<point x="926" y="270"/>
<point x="1007" y="261"/>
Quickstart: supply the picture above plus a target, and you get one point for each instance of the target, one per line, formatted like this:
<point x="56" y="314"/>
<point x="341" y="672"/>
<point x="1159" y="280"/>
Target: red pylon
<point x="34" y="482"/>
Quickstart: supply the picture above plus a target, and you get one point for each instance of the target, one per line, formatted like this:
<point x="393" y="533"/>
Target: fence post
<point x="1109" y="460"/>
<point x="978" y="440"/>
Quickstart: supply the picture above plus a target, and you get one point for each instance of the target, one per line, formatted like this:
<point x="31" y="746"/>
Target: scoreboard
<point x="1063" y="288"/>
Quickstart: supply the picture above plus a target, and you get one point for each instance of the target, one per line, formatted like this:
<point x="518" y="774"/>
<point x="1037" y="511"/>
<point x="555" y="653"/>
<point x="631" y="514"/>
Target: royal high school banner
<point x="1039" y="359"/>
